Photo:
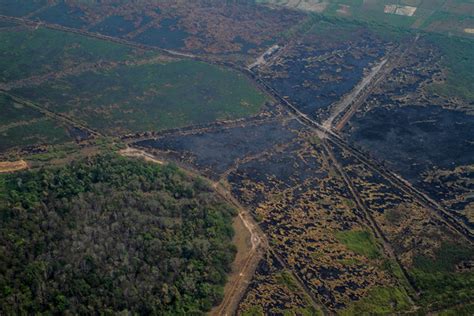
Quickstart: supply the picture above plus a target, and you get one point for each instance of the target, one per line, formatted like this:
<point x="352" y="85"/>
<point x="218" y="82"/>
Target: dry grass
<point x="12" y="166"/>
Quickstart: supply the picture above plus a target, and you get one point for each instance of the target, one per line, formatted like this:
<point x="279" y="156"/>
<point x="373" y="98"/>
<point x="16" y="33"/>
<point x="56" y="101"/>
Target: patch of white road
<point x="352" y="96"/>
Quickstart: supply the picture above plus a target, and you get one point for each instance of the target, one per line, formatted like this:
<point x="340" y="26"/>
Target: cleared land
<point x="12" y="166"/>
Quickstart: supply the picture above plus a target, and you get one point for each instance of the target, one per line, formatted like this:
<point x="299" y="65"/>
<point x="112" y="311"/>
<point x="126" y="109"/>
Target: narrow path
<point x="12" y="166"/>
<point x="243" y="272"/>
<point x="353" y="96"/>
<point x="393" y="60"/>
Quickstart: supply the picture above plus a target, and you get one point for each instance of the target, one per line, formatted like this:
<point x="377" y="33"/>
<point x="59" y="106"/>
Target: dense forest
<point x="109" y="234"/>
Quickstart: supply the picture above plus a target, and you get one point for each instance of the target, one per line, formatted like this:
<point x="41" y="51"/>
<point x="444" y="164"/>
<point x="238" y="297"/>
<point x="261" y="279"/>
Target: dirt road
<point x="347" y="100"/>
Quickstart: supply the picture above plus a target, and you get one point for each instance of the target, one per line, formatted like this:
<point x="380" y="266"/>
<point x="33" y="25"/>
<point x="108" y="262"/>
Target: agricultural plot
<point x="318" y="69"/>
<point x="63" y="14"/>
<point x="149" y="95"/>
<point x="409" y="118"/>
<point x="117" y="25"/>
<point x="219" y="28"/>
<point x="217" y="150"/>
<point x="21" y="126"/>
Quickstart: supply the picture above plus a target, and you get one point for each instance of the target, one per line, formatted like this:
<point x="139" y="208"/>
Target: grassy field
<point x="360" y="242"/>
<point x="21" y="126"/>
<point x="151" y="96"/>
<point x="458" y="58"/>
<point x="36" y="52"/>
<point x="380" y="301"/>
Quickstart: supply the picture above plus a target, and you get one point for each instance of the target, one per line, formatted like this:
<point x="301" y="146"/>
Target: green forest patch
<point x="151" y="96"/>
<point x="110" y="235"/>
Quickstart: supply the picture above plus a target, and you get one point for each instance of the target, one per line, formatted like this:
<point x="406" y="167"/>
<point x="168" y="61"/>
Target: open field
<point x="325" y="64"/>
<point x="21" y="126"/>
<point x="20" y="8"/>
<point x="147" y="97"/>
<point x="34" y="52"/>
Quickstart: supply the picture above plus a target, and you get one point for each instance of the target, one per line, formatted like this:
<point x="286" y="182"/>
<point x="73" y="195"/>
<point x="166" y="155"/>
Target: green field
<point x="380" y="301"/>
<point x="35" y="52"/>
<point x="360" y="242"/>
<point x="21" y="126"/>
<point x="458" y="58"/>
<point x="150" y="97"/>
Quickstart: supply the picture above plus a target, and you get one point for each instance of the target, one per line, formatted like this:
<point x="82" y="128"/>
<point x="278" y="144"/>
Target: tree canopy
<point x="109" y="234"/>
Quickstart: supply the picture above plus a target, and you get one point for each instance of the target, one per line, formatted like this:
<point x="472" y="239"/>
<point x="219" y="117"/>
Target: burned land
<point x="345" y="147"/>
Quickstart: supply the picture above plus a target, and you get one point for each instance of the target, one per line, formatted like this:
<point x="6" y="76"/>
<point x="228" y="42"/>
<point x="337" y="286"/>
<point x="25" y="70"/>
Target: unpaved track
<point x="133" y="152"/>
<point x="244" y="270"/>
<point x="352" y="97"/>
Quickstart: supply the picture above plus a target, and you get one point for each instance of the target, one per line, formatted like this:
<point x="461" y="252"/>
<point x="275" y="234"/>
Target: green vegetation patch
<point x="441" y="279"/>
<point x="254" y="311"/>
<point x="360" y="242"/>
<point x="109" y="235"/>
<point x="380" y="301"/>
<point x="151" y="97"/>
<point x="22" y="126"/>
<point x="35" y="52"/>
<point x="458" y="58"/>
<point x="285" y="278"/>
